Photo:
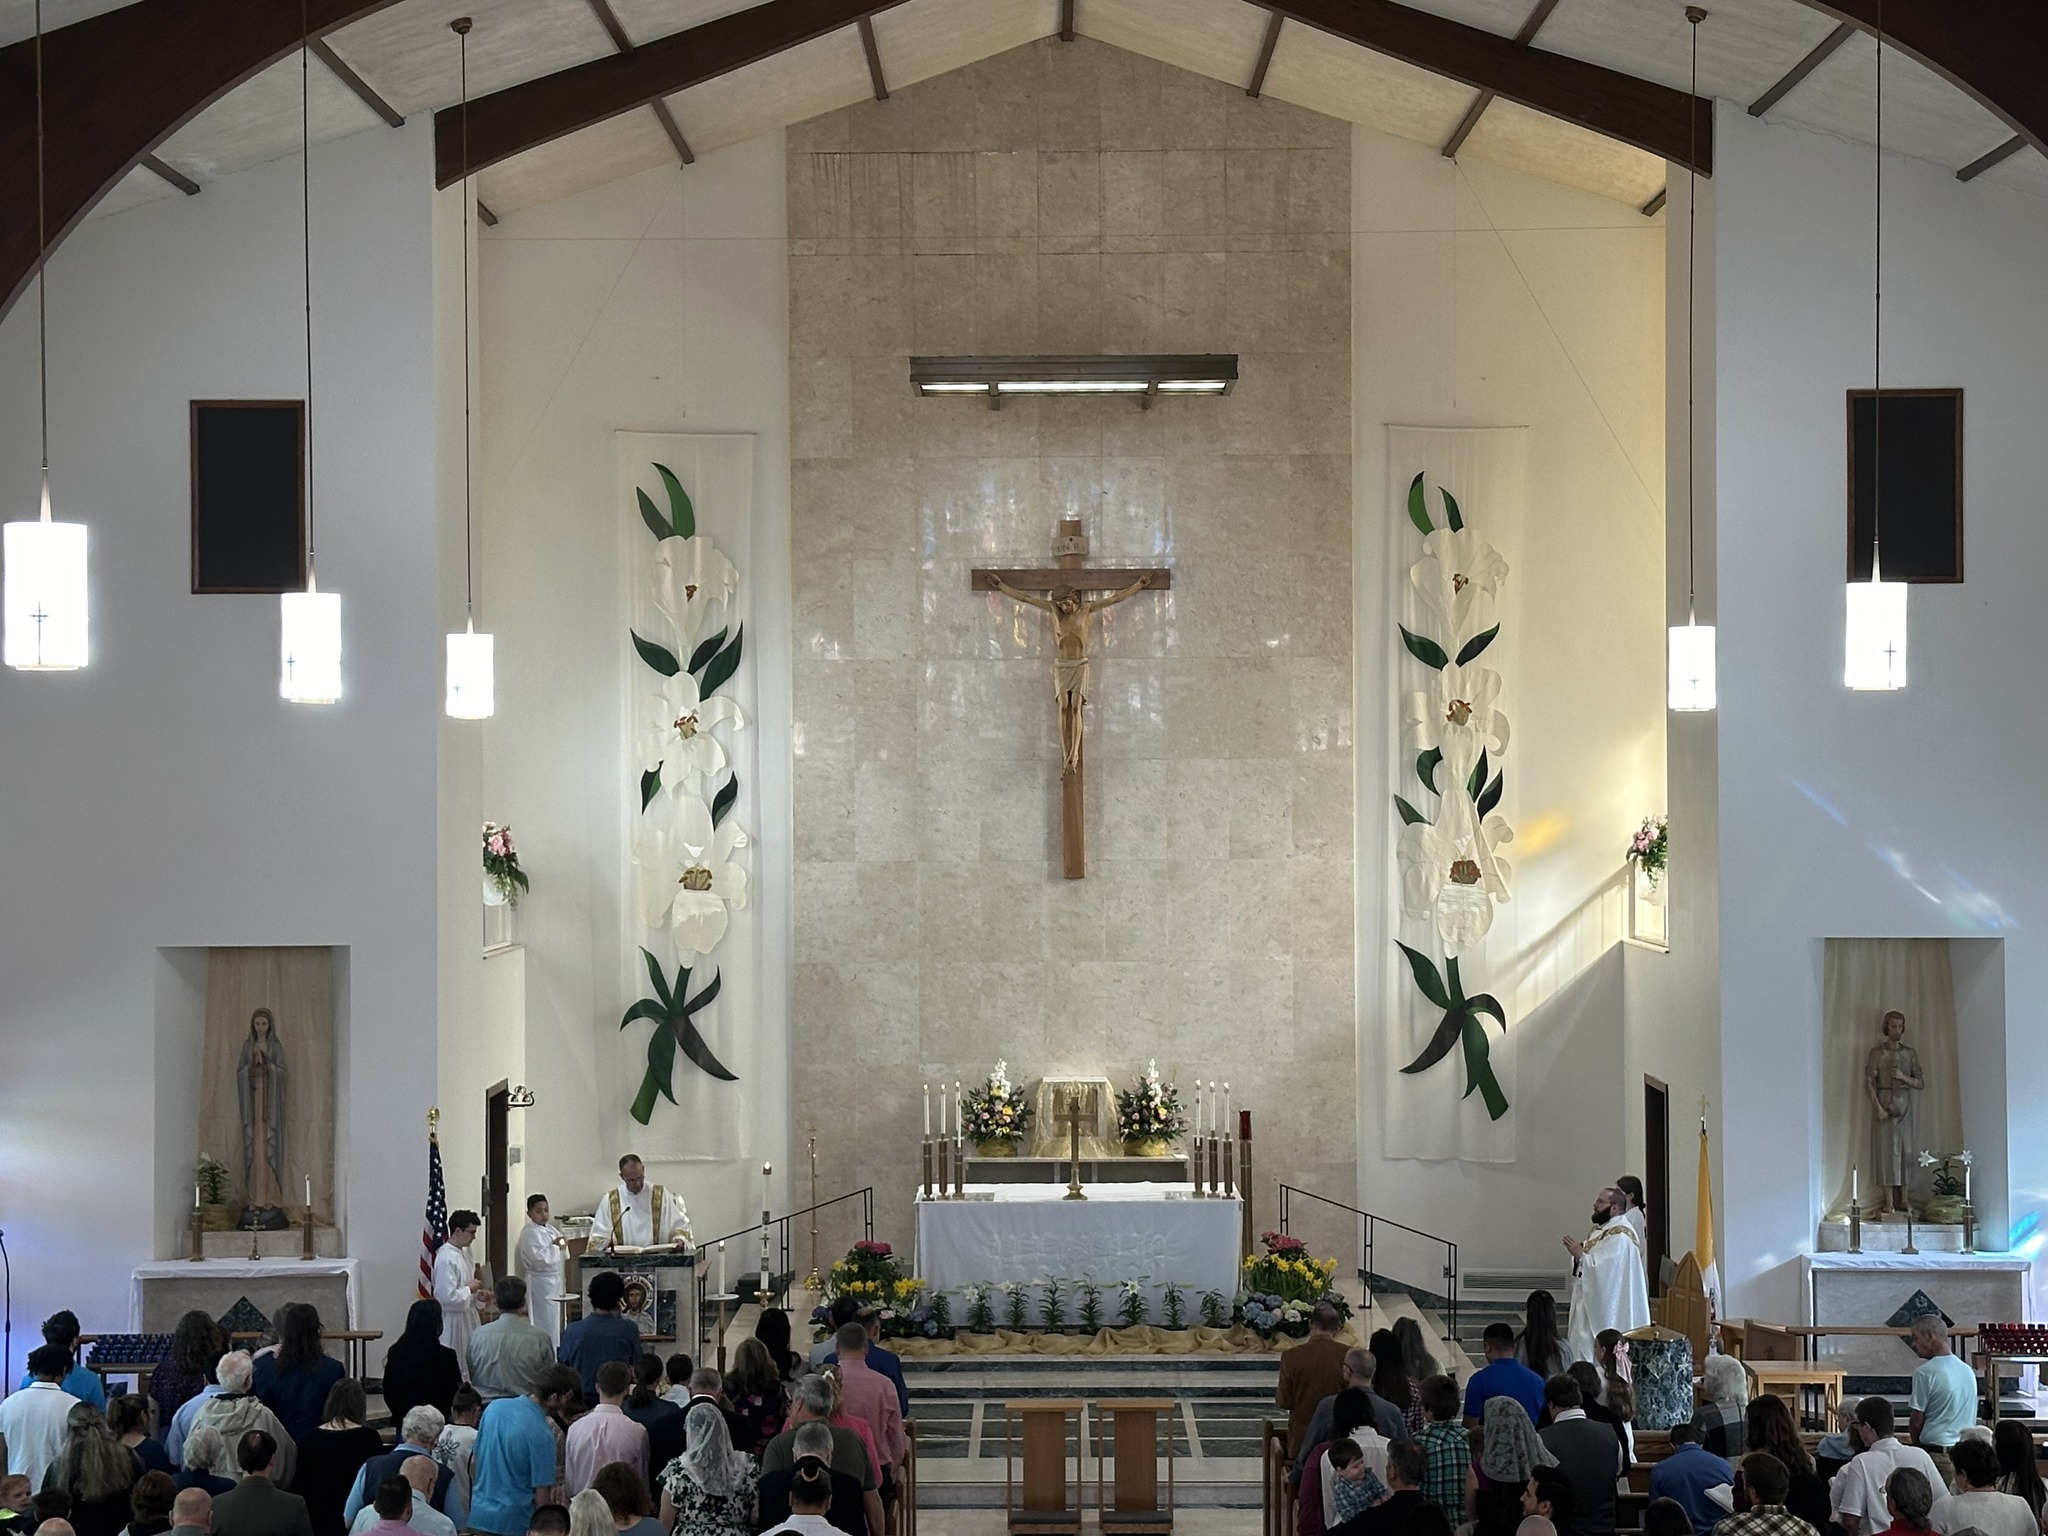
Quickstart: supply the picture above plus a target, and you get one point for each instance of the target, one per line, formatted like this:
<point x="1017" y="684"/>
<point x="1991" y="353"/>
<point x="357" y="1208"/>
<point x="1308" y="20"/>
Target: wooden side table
<point x="1048" y="1502"/>
<point x="1131" y="1505"/>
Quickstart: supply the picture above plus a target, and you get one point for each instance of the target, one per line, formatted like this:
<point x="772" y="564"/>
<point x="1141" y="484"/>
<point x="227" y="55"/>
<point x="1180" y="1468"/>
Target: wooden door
<point x="1657" y="1178"/>
<point x="497" y="1178"/>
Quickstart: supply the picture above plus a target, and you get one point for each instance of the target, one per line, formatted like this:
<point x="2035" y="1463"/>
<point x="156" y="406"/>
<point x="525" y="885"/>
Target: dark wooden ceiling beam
<point x="609" y="20"/>
<point x="1806" y="66"/>
<point x="1485" y="99"/>
<point x="520" y="117"/>
<point x="164" y="171"/>
<point x="355" y="82"/>
<point x="1650" y="116"/>
<point x="1998" y="156"/>
<point x="873" y="50"/>
<point x="1274" y="22"/>
<point x="1994" y="50"/>
<point x="674" y="130"/>
<point x="115" y="87"/>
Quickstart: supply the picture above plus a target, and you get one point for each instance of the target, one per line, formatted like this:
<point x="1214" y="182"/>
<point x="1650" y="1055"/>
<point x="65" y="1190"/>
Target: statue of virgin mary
<point x="259" y="1086"/>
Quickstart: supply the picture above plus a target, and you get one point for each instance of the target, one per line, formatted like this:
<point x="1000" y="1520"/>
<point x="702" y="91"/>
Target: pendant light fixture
<point x="1690" y="653"/>
<point x="1874" y="634"/>
<point x="472" y="681"/>
<point x="309" y="631"/>
<point x="43" y="562"/>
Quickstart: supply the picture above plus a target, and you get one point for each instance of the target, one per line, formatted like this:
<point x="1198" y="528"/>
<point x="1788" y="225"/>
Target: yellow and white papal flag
<point x="1703" y="1233"/>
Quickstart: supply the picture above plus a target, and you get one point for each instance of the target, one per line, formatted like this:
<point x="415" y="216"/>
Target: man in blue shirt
<point x="1944" y="1401"/>
<point x="61" y="1329"/>
<point x="1686" y="1475"/>
<point x="515" y="1454"/>
<point x="1502" y="1376"/>
<point x="605" y="1333"/>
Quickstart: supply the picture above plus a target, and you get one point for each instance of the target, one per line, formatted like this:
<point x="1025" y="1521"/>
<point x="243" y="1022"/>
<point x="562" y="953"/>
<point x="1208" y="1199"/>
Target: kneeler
<point x="1131" y="1507"/>
<point x="1048" y="1502"/>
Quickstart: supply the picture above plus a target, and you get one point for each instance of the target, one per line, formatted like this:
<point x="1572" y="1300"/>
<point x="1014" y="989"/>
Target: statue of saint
<point x="1891" y="1077"/>
<point x="259" y="1086"/>
<point x="1070" y="614"/>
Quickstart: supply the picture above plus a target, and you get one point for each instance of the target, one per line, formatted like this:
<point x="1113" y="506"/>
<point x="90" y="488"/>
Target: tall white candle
<point x="959" y="1116"/>
<point x="1855" y="1183"/>
<point x="309" y="1189"/>
<point x="721" y="1269"/>
<point x="1966" y="1183"/>
<point x="928" y="1108"/>
<point x="1224" y="1128"/>
<point x="195" y="1197"/>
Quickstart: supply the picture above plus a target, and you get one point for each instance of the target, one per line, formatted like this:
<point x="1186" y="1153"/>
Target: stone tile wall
<point x="1072" y="198"/>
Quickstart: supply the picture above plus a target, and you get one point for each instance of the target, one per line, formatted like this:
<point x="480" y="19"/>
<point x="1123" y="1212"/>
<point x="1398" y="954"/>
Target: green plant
<point x="1016" y="1316"/>
<point x="1460" y="1023"/>
<point x="981" y="1316"/>
<point x="672" y="1009"/>
<point x="1176" y="1305"/>
<point x="211" y="1175"/>
<point x="1130" y="1305"/>
<point x="1215" y="1310"/>
<point x="1091" y="1306"/>
<point x="1055" y="1305"/>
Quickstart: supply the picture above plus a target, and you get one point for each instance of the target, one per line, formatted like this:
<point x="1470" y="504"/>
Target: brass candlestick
<point x="1855" y="1226"/>
<point x="198" y="1234"/>
<point x="1969" y="1227"/>
<point x="959" y="1155"/>
<point x="927" y="1194"/>
<point x="1910" y="1246"/>
<point x="1074" y="1190"/>
<point x="255" y="1253"/>
<point x="306" y="1226"/>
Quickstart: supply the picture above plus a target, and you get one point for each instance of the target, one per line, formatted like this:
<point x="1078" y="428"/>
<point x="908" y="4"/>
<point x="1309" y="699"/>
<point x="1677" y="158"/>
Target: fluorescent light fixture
<point x="1874" y="636"/>
<point x="1692" y="668"/>
<point x="309" y="646"/>
<point x="472" y="676"/>
<point x="1144" y="377"/>
<point x="44" y="604"/>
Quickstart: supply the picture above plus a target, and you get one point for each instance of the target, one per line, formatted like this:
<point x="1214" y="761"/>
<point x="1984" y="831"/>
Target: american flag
<point x="434" y="1231"/>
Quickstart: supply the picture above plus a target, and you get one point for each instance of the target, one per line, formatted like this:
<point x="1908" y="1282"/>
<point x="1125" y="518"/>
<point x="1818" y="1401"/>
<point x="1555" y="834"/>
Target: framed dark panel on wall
<point x="1921" y="518"/>
<point x="248" y="496"/>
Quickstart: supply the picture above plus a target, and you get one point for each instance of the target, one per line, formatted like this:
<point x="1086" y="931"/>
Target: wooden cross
<point x="1065" y="585"/>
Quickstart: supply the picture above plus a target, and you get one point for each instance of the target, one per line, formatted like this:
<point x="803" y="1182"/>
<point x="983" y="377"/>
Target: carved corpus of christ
<point x="1061" y="591"/>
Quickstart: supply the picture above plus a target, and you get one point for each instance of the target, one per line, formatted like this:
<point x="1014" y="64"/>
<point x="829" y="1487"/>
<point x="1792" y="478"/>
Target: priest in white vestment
<point x="1609" y="1289"/>
<point x="539" y="1257"/>
<point x="456" y="1285"/>
<point x="637" y="1214"/>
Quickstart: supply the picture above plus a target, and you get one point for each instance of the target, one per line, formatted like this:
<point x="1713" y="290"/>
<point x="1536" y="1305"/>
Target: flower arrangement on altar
<point x="501" y="864"/>
<point x="1650" y="848"/>
<point x="871" y="1274"/>
<point x="1149" y="1114"/>
<point x="996" y="1113"/>
<point x="1284" y="1284"/>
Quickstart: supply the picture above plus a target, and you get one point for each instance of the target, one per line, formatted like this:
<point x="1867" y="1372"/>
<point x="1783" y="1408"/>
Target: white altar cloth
<point x="248" y="1269"/>
<point x="1157" y="1234"/>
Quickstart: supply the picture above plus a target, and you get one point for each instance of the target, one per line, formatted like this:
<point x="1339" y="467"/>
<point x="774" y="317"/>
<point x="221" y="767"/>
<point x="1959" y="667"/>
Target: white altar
<point x="162" y="1291"/>
<point x="1157" y="1234"/>
<point x="1870" y="1289"/>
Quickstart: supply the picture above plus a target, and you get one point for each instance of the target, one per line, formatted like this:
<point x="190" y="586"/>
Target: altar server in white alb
<point x="1609" y="1289"/>
<point x="637" y="1214"/>
<point x="539" y="1257"/>
<point x="456" y="1285"/>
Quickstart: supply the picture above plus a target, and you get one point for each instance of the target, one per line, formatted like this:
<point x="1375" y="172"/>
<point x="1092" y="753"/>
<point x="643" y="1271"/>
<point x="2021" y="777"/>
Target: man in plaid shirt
<point x="1444" y="1445"/>
<point x="1768" y="1482"/>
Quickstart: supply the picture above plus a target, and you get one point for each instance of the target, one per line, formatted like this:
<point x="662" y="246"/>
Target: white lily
<point x="688" y="881"/>
<point x="675" y="733"/>
<point x="691" y="577"/>
<point x="1457" y="578"/>
<point x="1461" y="708"/>
<point x="1451" y="873"/>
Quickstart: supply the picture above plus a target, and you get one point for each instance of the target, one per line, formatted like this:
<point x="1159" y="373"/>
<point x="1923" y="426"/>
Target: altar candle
<point x="309" y="1189"/>
<point x="1225" y="1126"/>
<point x="721" y="1269"/>
<point x="928" y="1108"/>
<point x="1966" y="1183"/>
<point x="195" y="1197"/>
<point x="1855" y="1183"/>
<point x="959" y="1116"/>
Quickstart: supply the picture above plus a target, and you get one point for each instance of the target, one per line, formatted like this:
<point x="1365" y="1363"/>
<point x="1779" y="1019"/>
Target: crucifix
<point x="1061" y="591"/>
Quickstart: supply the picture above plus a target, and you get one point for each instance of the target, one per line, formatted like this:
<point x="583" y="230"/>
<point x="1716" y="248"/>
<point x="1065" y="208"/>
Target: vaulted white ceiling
<point x="407" y="55"/>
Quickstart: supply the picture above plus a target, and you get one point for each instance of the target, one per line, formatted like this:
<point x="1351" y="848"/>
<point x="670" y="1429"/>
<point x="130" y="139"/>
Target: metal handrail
<point x="866" y="1197"/>
<point x="1368" y="1225"/>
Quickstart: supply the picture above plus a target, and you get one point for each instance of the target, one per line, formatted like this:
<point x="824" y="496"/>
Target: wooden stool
<point x="1134" y="1425"/>
<point x="1046" y="1505"/>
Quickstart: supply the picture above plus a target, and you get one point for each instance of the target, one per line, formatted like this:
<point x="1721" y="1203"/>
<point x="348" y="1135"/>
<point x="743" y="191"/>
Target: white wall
<point x="1906" y="814"/>
<point x="657" y="303"/>
<point x="1485" y="298"/>
<point x="166" y="797"/>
